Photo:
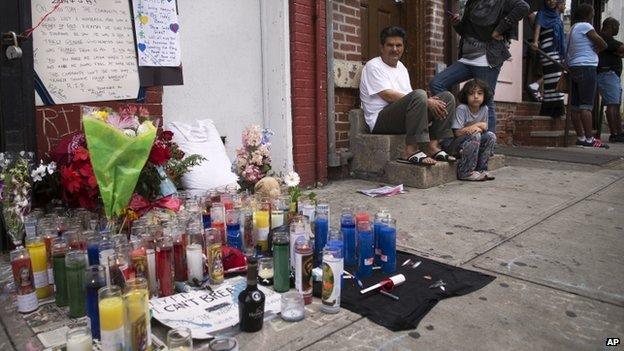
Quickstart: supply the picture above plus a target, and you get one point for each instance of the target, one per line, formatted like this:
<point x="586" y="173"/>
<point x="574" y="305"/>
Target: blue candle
<point x="95" y="279"/>
<point x="234" y="238"/>
<point x="338" y="244"/>
<point x="347" y="226"/>
<point x="206" y="220"/>
<point x="376" y="233"/>
<point x="321" y="226"/>
<point x="387" y="245"/>
<point x="93" y="253"/>
<point x="366" y="253"/>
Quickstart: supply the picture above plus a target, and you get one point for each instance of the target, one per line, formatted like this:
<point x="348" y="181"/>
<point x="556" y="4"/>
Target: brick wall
<point x="308" y="57"/>
<point x="435" y="20"/>
<point x="54" y="122"/>
<point x="505" y="113"/>
<point x="347" y="46"/>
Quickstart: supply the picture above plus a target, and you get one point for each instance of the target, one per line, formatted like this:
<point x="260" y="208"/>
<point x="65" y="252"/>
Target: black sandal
<point x="416" y="159"/>
<point x="443" y="156"/>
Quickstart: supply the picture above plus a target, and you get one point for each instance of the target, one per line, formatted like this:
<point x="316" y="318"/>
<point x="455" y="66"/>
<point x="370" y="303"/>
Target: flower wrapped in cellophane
<point x="119" y="144"/>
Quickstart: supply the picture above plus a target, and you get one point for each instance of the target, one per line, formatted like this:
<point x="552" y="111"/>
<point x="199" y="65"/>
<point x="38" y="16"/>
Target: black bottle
<point x="251" y="300"/>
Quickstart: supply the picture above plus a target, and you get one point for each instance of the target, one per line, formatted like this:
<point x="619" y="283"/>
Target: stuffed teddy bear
<point x="268" y="187"/>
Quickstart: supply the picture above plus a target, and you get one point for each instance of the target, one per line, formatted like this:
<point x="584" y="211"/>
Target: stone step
<point x="423" y="177"/>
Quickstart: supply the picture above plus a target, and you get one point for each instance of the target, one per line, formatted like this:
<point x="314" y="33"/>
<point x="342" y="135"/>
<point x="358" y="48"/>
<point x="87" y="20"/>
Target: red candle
<point x="362" y="217"/>
<point x="164" y="267"/>
<point x="179" y="261"/>
<point x="220" y="226"/>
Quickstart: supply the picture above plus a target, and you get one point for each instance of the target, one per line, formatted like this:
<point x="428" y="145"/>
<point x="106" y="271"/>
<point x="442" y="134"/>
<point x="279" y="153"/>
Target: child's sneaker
<point x="595" y="143"/>
<point x="474" y="176"/>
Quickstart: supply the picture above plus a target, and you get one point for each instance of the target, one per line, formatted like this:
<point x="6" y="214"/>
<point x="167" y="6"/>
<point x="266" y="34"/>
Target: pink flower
<point x="123" y="121"/>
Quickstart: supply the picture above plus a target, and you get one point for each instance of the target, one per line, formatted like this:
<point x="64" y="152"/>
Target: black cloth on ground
<point x="416" y="299"/>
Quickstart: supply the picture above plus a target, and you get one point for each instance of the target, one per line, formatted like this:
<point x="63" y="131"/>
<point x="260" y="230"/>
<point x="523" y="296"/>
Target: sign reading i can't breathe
<point x="205" y="312"/>
<point x="84" y="51"/>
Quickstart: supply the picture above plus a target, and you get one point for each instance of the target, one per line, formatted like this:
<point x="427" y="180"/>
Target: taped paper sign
<point x="205" y="312"/>
<point x="157" y="32"/>
<point x="84" y="51"/>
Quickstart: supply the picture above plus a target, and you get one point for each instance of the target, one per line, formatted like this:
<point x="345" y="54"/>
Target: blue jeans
<point x="459" y="72"/>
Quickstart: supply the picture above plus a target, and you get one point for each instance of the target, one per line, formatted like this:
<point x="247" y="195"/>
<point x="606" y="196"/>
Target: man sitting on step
<point x="392" y="107"/>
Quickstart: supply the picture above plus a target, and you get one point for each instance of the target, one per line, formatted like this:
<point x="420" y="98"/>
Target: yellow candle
<point x="138" y="330"/>
<point x="39" y="260"/>
<point x="262" y="219"/>
<point x="111" y="313"/>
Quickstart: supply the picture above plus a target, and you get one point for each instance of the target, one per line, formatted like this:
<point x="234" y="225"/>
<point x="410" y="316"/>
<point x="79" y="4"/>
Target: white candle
<point x="195" y="262"/>
<point x="151" y="267"/>
<point x="79" y="342"/>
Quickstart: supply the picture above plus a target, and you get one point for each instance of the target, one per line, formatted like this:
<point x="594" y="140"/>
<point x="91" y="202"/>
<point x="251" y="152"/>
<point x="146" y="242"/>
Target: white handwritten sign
<point x="84" y="51"/>
<point x="206" y="312"/>
<point x="157" y="32"/>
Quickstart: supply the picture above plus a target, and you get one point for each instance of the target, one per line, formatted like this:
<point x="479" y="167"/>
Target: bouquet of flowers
<point x="79" y="186"/>
<point x="119" y="145"/>
<point x="15" y="192"/>
<point x="253" y="160"/>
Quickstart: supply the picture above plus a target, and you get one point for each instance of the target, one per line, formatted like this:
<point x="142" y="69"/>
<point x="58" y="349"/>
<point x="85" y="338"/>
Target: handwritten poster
<point x="205" y="312"/>
<point x="157" y="32"/>
<point x="84" y="51"/>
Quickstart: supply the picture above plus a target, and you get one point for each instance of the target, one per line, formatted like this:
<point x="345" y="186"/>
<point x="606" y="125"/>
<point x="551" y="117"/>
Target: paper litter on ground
<point x="383" y="191"/>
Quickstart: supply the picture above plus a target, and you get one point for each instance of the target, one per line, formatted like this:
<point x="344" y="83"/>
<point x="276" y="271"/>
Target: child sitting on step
<point x="472" y="142"/>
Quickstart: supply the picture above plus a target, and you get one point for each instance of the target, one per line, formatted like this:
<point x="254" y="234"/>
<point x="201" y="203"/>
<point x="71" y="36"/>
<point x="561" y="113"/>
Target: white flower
<point x="143" y="128"/>
<point x="292" y="179"/>
<point x="129" y="132"/>
<point x="38" y="173"/>
<point x="52" y="167"/>
<point x="22" y="153"/>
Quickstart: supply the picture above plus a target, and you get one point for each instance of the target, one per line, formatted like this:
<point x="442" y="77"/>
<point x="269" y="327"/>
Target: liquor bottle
<point x="251" y="300"/>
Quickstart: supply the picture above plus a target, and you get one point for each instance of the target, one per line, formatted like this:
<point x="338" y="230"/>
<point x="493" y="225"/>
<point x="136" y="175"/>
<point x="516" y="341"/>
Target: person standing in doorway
<point x="549" y="37"/>
<point x="582" y="59"/>
<point x="485" y="30"/>
<point x="392" y="107"/>
<point x="609" y="73"/>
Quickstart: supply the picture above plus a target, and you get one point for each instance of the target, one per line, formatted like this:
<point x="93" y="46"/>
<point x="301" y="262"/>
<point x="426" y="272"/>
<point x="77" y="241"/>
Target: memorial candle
<point x="347" y="227"/>
<point x="303" y="268"/>
<point x="217" y="220"/>
<point x="93" y="249"/>
<point x="281" y="264"/>
<point x="164" y="266"/>
<point x="50" y="235"/>
<point x="111" y="310"/>
<point x="179" y="254"/>
<point x="321" y="227"/>
<point x="137" y="315"/>
<point x="234" y="237"/>
<point x="262" y="219"/>
<point x="95" y="278"/>
<point x="248" y="233"/>
<point x="79" y="339"/>
<point x="39" y="261"/>
<point x="297" y="230"/>
<point x="75" y="264"/>
<point x="213" y="255"/>
<point x="366" y="254"/>
<point x="59" y="250"/>
<point x="23" y="278"/>
<point x="387" y="245"/>
<point x="138" y="259"/>
<point x="381" y="215"/>
<point x="195" y="254"/>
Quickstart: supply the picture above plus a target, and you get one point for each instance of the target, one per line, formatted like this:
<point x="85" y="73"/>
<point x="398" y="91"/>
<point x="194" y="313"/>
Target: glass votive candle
<point x="79" y="339"/>
<point x="179" y="339"/>
<point x="293" y="308"/>
<point x="223" y="343"/>
<point x="265" y="270"/>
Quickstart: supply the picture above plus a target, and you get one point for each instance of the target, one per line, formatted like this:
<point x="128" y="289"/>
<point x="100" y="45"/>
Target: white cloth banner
<point x="205" y="312"/>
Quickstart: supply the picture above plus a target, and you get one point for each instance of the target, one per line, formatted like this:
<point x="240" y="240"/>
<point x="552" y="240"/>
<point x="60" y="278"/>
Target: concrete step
<point x="423" y="177"/>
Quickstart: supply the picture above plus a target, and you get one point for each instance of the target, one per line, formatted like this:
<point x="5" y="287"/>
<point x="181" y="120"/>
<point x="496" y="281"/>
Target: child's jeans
<point x="475" y="153"/>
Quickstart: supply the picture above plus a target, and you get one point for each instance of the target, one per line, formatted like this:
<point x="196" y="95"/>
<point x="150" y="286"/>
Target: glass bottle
<point x="347" y="227"/>
<point x="195" y="254"/>
<point x="387" y="245"/>
<point x="138" y="334"/>
<point x="95" y="278"/>
<point x="281" y="261"/>
<point x="217" y="220"/>
<point x="23" y="278"/>
<point x="75" y="264"/>
<point x="213" y="255"/>
<point x="251" y="300"/>
<point x="303" y="268"/>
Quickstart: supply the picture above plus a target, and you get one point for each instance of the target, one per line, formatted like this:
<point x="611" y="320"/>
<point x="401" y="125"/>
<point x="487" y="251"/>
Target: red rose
<point x="159" y="155"/>
<point x="81" y="154"/>
<point x="167" y="135"/>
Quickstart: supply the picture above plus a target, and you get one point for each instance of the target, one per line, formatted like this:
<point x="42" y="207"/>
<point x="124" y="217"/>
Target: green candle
<point x="75" y="264"/>
<point x="281" y="266"/>
<point x="59" y="249"/>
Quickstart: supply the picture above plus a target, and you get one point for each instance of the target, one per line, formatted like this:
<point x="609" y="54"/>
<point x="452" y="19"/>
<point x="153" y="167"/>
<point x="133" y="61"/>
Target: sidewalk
<point x="552" y="233"/>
